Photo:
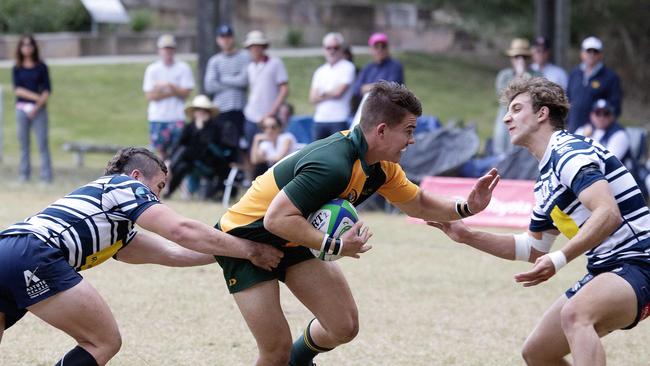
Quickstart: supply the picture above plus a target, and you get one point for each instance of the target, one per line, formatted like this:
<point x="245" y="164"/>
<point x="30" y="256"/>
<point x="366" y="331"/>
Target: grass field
<point x="422" y="301"/>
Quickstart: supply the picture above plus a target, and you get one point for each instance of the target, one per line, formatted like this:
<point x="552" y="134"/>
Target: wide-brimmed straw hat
<point x="519" y="47"/>
<point x="201" y="102"/>
<point x="256" y="38"/>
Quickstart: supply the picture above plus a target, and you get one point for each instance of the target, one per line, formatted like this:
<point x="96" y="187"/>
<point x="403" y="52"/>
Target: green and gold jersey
<point x="330" y="168"/>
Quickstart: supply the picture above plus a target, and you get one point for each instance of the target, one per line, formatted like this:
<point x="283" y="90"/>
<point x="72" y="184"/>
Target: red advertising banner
<point x="511" y="205"/>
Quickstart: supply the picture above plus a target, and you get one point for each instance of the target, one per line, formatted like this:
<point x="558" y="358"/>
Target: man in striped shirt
<point x="226" y="78"/>
<point x="587" y="194"/>
<point x="40" y="257"/>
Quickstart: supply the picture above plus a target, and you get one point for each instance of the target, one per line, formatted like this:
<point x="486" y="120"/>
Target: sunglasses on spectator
<point x="593" y="50"/>
<point x="379" y="45"/>
<point x="602" y="113"/>
<point x="333" y="48"/>
<point x="271" y="127"/>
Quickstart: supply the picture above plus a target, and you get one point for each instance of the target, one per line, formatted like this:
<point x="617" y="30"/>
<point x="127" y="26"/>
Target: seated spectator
<point x="604" y="129"/>
<point x="270" y="146"/>
<point x="201" y="151"/>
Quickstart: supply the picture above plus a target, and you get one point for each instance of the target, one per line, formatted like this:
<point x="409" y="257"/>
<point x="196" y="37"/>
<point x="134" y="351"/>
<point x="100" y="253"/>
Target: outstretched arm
<point x="149" y="248"/>
<point x="430" y="207"/>
<point x="200" y="237"/>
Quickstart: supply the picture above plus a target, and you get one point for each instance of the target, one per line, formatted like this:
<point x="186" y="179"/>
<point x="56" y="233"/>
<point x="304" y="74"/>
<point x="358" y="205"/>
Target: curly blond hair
<point x="543" y="93"/>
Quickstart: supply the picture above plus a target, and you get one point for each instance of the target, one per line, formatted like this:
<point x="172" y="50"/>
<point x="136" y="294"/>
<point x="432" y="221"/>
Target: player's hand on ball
<point x="455" y="230"/>
<point x="542" y="271"/>
<point x="481" y="194"/>
<point x="354" y="240"/>
<point x="264" y="256"/>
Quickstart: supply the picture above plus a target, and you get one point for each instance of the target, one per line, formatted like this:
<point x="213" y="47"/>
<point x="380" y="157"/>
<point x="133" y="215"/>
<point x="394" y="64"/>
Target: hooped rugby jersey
<point x="572" y="163"/>
<point x="93" y="222"/>
<point x="330" y="168"/>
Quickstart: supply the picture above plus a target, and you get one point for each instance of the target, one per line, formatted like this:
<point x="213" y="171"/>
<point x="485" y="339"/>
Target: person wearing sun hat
<point x="199" y="152"/>
<point x="519" y="53"/>
<point x="589" y="81"/>
<point x="167" y="83"/>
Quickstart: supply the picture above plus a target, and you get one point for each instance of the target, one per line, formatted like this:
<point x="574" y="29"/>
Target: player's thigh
<point x="547" y="340"/>
<point x="80" y="312"/>
<point x="260" y="306"/>
<point x="608" y="301"/>
<point x="323" y="289"/>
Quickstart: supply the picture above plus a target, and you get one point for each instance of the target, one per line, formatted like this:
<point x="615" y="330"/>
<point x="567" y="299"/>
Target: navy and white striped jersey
<point x="92" y="223"/>
<point x="571" y="164"/>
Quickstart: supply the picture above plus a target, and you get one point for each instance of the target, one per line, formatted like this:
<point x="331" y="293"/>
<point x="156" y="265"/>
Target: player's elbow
<point x="271" y="223"/>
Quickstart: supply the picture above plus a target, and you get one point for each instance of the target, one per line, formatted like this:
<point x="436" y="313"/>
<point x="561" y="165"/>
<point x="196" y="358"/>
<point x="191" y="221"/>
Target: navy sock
<point x="304" y="349"/>
<point x="77" y="357"/>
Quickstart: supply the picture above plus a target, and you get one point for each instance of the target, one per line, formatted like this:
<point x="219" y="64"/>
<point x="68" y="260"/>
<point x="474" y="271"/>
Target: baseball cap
<point x="542" y="43"/>
<point x="602" y="104"/>
<point x="166" y="41"/>
<point x="592" y="43"/>
<point x="377" y="38"/>
<point x="225" y="31"/>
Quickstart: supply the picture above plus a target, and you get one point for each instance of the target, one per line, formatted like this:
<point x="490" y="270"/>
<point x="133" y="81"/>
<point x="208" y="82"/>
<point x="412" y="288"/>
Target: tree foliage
<point x="38" y="16"/>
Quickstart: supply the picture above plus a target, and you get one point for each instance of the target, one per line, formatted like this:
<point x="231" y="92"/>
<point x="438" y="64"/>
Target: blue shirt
<point x="603" y="83"/>
<point x="389" y="70"/>
<point x="35" y="79"/>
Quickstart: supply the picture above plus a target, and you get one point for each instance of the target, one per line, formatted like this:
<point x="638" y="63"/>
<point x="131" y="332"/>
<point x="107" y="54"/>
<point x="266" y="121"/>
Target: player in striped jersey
<point x="585" y="193"/>
<point x="40" y="257"/>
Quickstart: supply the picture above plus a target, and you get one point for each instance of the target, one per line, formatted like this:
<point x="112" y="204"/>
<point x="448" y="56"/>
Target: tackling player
<point x="351" y="165"/>
<point x="40" y="257"/>
<point x="588" y="195"/>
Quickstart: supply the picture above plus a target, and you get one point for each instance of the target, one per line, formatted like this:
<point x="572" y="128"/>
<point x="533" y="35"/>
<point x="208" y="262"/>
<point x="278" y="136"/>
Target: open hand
<point x="542" y="271"/>
<point x="455" y="230"/>
<point x="265" y="256"/>
<point x="481" y="194"/>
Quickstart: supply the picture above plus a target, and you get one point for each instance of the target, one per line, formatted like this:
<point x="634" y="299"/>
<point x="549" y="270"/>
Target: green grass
<point x="105" y="103"/>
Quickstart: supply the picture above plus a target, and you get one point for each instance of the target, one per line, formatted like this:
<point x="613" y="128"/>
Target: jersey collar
<point x="360" y="144"/>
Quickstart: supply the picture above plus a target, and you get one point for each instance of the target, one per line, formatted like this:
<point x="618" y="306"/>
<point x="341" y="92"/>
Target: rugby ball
<point x="334" y="218"/>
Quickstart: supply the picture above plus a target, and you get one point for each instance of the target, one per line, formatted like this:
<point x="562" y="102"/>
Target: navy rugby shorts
<point x="637" y="275"/>
<point x="30" y="272"/>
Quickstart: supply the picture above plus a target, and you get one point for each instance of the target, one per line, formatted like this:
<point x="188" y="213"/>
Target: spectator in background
<point x="226" y="78"/>
<point x="271" y="145"/>
<point x="268" y="83"/>
<point x="199" y="152"/>
<point x="591" y="81"/>
<point x="31" y="82"/>
<point x="331" y="89"/>
<point x="541" y="52"/>
<point x="383" y="66"/>
<point x="604" y="129"/>
<point x="519" y="53"/>
<point x="167" y="83"/>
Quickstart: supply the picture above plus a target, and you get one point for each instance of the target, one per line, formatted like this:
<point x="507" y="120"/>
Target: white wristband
<point x="322" y="245"/>
<point x="558" y="258"/>
<point x="341" y="247"/>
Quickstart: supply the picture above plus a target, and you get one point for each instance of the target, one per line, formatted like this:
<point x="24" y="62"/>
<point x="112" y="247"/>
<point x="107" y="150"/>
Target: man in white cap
<point x="268" y="85"/>
<point x="167" y="83"/>
<point x="591" y="81"/>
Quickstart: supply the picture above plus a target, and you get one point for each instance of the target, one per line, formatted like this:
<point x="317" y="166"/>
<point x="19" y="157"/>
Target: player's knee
<point x="106" y="347"/>
<point x="533" y="352"/>
<point x="571" y="317"/>
<point x="346" y="331"/>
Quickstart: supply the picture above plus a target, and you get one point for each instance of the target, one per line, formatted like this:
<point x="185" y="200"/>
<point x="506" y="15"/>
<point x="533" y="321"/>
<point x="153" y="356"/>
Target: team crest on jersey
<point x="595" y="84"/>
<point x="352" y="196"/>
<point x="34" y="285"/>
<point x="142" y="192"/>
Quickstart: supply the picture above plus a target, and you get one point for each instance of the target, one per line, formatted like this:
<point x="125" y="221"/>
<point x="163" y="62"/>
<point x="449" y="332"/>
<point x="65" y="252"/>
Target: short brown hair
<point x="543" y="93"/>
<point x="388" y="102"/>
<point x="128" y="159"/>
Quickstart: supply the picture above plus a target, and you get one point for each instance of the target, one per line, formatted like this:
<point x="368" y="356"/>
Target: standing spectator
<point x="268" y="83"/>
<point x="268" y="87"/>
<point x="541" y="56"/>
<point x="383" y="66"/>
<point x="226" y="78"/>
<point x="167" y="83"/>
<point x="519" y="53"/>
<point x="31" y="82"/>
<point x="331" y="89"/>
<point x="591" y="81"/>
